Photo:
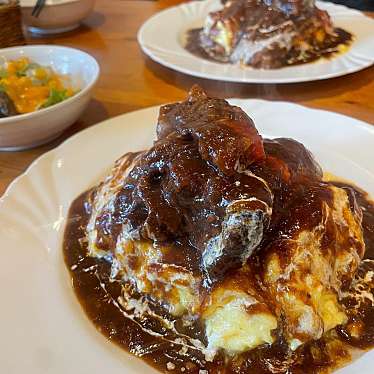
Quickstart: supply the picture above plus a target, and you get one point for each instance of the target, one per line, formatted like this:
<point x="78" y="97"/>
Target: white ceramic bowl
<point x="57" y="15"/>
<point x="32" y="129"/>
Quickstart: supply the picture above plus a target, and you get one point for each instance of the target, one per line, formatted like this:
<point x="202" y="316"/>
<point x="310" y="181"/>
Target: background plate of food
<point x="41" y="316"/>
<point x="246" y="41"/>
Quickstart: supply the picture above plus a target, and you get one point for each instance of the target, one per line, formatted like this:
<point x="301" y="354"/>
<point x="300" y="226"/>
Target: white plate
<point x="42" y="327"/>
<point x="161" y="38"/>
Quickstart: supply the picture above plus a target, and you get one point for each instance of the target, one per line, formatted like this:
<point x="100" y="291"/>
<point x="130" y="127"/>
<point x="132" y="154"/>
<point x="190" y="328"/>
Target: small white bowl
<point x="29" y="130"/>
<point x="57" y="16"/>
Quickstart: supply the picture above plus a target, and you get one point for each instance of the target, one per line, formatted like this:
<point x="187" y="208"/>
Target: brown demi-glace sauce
<point x="329" y="50"/>
<point x="202" y="174"/>
<point x="270" y="26"/>
<point x="98" y="296"/>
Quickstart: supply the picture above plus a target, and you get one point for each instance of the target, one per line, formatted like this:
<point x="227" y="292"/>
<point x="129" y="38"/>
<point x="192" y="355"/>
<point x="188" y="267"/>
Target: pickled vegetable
<point x="31" y="87"/>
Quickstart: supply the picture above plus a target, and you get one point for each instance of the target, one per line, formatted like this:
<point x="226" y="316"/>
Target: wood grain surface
<point x="130" y="81"/>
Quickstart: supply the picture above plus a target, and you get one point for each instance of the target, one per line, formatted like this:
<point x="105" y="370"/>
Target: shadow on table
<point x="295" y="92"/>
<point x="93" y="21"/>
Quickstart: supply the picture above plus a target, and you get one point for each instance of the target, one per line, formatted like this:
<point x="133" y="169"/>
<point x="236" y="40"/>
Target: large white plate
<point x="42" y="327"/>
<point x="161" y="38"/>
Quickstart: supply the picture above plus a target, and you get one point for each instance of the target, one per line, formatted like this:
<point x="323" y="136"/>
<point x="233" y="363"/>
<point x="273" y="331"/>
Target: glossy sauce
<point x="208" y="164"/>
<point x="330" y="50"/>
<point x="178" y="193"/>
<point x="97" y="296"/>
<point x="267" y="34"/>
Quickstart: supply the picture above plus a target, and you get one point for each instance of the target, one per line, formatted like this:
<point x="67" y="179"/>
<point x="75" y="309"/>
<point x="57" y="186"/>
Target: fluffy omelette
<point x="218" y="228"/>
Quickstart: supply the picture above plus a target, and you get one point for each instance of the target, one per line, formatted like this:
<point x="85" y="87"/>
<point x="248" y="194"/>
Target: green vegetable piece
<point x="55" y="97"/>
<point x="23" y="72"/>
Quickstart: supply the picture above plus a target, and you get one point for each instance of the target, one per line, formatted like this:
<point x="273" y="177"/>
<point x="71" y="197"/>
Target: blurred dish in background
<point x="39" y="103"/>
<point x="267" y="34"/>
<point x="57" y="16"/>
<point x="163" y="38"/>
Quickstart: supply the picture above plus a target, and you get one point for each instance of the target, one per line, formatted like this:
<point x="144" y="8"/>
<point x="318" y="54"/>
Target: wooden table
<point x="130" y="81"/>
